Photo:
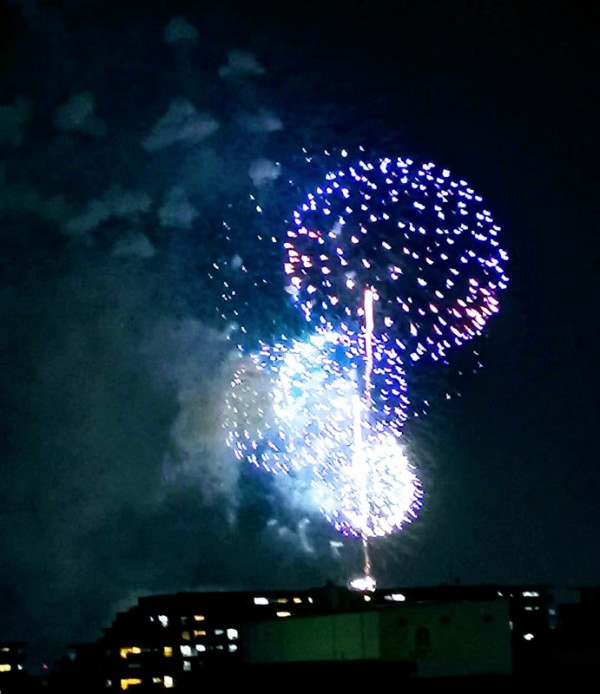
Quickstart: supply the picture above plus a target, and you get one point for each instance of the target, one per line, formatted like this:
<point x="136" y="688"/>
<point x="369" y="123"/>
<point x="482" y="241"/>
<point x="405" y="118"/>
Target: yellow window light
<point x="124" y="652"/>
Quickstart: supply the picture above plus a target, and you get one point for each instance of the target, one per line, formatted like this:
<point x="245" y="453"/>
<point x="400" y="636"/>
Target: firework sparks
<point x="423" y="241"/>
<point x="293" y="410"/>
<point x="390" y="263"/>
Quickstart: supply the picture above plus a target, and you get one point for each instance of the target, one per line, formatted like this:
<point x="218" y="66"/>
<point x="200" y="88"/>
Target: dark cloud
<point x="178" y="30"/>
<point x="240" y="64"/>
<point x="177" y="210"/>
<point x="180" y="124"/>
<point x="77" y="114"/>
<point x="115" y="203"/>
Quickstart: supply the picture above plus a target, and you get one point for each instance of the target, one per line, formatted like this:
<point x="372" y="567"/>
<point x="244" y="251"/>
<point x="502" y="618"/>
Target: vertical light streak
<point x="365" y="469"/>
<point x="361" y="474"/>
<point x="369" y="343"/>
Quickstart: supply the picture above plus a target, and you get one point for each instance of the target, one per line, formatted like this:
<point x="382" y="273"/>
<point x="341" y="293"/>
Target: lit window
<point x="531" y="594"/>
<point x="5" y="667"/>
<point x="130" y="682"/>
<point x="163" y="619"/>
<point x="363" y="583"/>
<point x="124" y="652"/>
<point x="261" y="601"/>
<point x="168" y="651"/>
<point x="200" y="648"/>
<point x="157" y="680"/>
<point x="232" y="648"/>
<point x="168" y="682"/>
<point x="219" y="632"/>
<point x="187" y="666"/>
<point x="232" y="634"/>
<point x="185" y="635"/>
<point x="199" y="632"/>
<point x="199" y="617"/>
<point x="185" y="650"/>
<point x="282" y="601"/>
<point x="297" y="600"/>
<point x="284" y="614"/>
<point x="528" y="637"/>
<point x="396" y="597"/>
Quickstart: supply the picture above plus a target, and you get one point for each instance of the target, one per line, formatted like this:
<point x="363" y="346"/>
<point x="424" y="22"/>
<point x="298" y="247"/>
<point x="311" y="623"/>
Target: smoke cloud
<point x="116" y="479"/>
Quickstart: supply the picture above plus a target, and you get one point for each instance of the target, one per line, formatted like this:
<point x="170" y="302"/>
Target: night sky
<point x="129" y="132"/>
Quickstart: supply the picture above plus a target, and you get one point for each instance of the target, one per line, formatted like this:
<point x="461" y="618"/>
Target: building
<point x="423" y="639"/>
<point x="12" y="666"/>
<point x="177" y="641"/>
<point x="575" y="643"/>
<point x="532" y="609"/>
<point x="172" y="641"/>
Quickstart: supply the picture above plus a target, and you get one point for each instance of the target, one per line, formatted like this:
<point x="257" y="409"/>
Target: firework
<point x="423" y="241"/>
<point x="390" y="263"/>
<point x="302" y="410"/>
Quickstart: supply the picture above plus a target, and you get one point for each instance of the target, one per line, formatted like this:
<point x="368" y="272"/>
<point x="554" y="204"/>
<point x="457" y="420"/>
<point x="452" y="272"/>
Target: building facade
<point x="176" y="641"/>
